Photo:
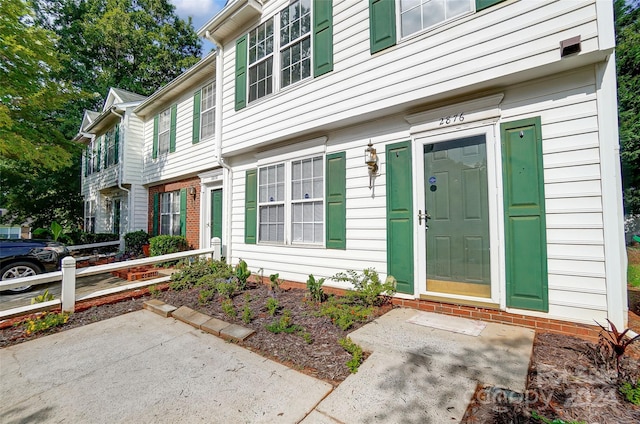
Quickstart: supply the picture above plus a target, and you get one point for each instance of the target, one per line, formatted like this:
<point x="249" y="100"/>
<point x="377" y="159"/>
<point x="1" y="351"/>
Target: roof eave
<point x="233" y="17"/>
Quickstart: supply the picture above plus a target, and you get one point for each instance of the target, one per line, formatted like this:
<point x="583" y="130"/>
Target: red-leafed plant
<point x="617" y="341"/>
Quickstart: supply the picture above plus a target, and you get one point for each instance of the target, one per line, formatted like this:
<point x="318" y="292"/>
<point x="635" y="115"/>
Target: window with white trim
<point x="418" y="15"/>
<point x="207" y="110"/>
<point x="292" y="46"/>
<point x="291" y="202"/>
<point x="110" y="147"/>
<point x="90" y="216"/>
<point x="170" y="213"/>
<point x="10" y="232"/>
<point x="164" y="131"/>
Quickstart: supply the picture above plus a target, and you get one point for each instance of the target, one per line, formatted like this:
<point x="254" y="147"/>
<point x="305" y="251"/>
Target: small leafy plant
<point x="154" y="291"/>
<point x="272" y="305"/>
<point x="44" y="297"/>
<point x="275" y="282"/>
<point x="284" y="324"/>
<point x="315" y="288"/>
<point x="616" y="341"/>
<point x="631" y="392"/>
<point x="44" y="322"/>
<point x="227" y="289"/>
<point x="367" y="286"/>
<point x="242" y="273"/>
<point x="344" y="313"/>
<point x="247" y="314"/>
<point x="357" y="355"/>
<point x="544" y="420"/>
<point x="206" y="295"/>
<point x="229" y="308"/>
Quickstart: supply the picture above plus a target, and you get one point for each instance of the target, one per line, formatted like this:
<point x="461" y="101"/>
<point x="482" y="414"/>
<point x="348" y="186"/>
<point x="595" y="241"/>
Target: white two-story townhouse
<point x="181" y="172"/>
<point x="112" y="166"/>
<point x="469" y="148"/>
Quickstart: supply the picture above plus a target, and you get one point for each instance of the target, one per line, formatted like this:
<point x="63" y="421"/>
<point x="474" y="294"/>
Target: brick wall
<point x="193" y="207"/>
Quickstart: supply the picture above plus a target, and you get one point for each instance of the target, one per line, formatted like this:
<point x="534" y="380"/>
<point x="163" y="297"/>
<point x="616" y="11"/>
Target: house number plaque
<point x="452" y="119"/>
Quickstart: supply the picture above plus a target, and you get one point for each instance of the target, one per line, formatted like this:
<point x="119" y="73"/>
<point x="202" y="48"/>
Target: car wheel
<point x="17" y="270"/>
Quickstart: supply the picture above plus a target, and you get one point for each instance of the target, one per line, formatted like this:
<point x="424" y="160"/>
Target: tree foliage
<point x="628" y="68"/>
<point x="30" y="98"/>
<point x="59" y="58"/>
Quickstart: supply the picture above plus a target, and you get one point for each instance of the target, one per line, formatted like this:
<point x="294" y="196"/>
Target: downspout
<point x="227" y="174"/>
<point x="120" y="165"/>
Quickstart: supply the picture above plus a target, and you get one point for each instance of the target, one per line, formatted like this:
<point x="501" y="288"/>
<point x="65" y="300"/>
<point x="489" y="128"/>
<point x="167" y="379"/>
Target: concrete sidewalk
<point x="140" y="367"/>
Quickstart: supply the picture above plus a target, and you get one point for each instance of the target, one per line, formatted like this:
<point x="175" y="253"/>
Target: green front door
<point x="216" y="213"/>
<point x="456" y="204"/>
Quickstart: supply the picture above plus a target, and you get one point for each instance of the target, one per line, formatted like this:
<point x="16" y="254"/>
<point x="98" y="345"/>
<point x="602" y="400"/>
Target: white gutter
<point x="226" y="177"/>
<point x="120" y="170"/>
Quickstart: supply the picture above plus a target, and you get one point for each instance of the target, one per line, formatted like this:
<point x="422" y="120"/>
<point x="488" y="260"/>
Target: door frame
<point x="496" y="224"/>
<point x="210" y="181"/>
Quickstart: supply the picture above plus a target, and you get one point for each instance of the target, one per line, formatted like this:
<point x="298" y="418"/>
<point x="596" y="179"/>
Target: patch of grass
<point x="633" y="275"/>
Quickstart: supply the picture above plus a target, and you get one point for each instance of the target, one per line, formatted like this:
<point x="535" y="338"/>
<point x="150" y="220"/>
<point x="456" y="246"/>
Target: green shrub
<point x="315" y="288"/>
<point x="229" y="308"/>
<point x="247" y="314"/>
<point x="134" y="241"/>
<point x="42" y="234"/>
<point x="227" y="289"/>
<point x="343" y="312"/>
<point x="242" y="273"/>
<point x="206" y="295"/>
<point x="284" y="324"/>
<point x="165" y="245"/>
<point x="272" y="305"/>
<point x="357" y="355"/>
<point x="367" y="286"/>
<point x="200" y="272"/>
<point x="631" y="392"/>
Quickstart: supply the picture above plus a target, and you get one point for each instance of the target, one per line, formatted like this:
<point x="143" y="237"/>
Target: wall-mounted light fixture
<point x="192" y="192"/>
<point x="371" y="159"/>
<point x="108" y="203"/>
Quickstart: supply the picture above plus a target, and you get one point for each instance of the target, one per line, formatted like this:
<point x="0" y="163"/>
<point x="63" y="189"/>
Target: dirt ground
<point x="569" y="378"/>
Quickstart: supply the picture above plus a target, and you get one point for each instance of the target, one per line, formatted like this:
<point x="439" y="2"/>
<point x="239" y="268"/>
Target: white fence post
<point x="216" y="244"/>
<point x="68" y="295"/>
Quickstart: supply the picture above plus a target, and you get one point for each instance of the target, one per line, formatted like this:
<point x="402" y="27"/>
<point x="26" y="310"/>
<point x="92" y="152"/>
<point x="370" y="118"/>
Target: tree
<point x="30" y="100"/>
<point x="137" y="45"/>
<point x="628" y="69"/>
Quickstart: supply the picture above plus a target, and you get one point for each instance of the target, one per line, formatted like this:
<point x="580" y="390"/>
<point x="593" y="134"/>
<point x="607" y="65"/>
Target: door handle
<point x="424" y="215"/>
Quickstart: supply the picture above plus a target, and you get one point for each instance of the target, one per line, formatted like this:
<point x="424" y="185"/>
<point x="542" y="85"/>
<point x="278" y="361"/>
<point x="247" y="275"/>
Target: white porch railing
<point x="69" y="273"/>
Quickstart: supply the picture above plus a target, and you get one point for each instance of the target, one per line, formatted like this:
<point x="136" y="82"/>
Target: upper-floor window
<point x="289" y="47"/>
<point x="110" y="147"/>
<point x="170" y="213"/>
<point x="417" y="15"/>
<point x="291" y="202"/>
<point x="164" y="127"/>
<point x="207" y="110"/>
<point x="92" y="157"/>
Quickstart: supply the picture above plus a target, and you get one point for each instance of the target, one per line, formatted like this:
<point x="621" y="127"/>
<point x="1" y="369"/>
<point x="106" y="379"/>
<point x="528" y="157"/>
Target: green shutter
<point x="399" y="215"/>
<point x="251" y="207"/>
<point x="99" y="140"/>
<point x="382" y="24"/>
<point x="524" y="214"/>
<point x="336" y="201"/>
<point x="86" y="162"/>
<point x="172" y="134"/>
<point x="183" y="212"/>
<point x="106" y="151"/>
<point x="116" y="150"/>
<point x="196" y="117"/>
<point x="155" y="137"/>
<point x="322" y="37"/>
<point x="483" y="4"/>
<point x="216" y="213"/>
<point x="155" y="217"/>
<point x="241" y="73"/>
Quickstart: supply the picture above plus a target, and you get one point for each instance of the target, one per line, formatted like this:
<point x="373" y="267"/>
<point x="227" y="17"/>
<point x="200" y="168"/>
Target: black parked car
<point x="24" y="258"/>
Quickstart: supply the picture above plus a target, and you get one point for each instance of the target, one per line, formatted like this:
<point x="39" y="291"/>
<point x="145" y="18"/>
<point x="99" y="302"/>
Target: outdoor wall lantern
<point x="371" y="159"/>
<point x="192" y="192"/>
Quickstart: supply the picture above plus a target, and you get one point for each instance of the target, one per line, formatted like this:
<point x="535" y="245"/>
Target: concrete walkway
<point x="140" y="367"/>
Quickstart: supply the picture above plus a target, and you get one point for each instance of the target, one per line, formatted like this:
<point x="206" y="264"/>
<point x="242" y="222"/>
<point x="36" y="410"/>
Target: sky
<point x="200" y="11"/>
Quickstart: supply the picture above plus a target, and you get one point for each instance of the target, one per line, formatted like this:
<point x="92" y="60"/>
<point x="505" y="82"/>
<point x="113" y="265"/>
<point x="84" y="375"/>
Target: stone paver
<point x="189" y="316"/>
<point x="214" y="326"/>
<point x="159" y="307"/>
<point x="235" y="332"/>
